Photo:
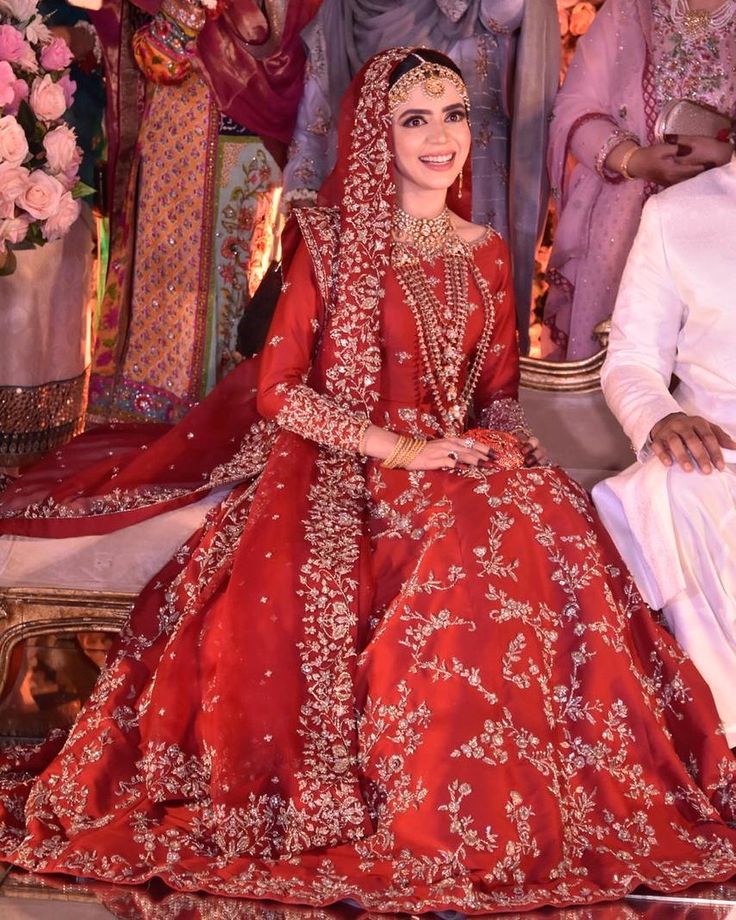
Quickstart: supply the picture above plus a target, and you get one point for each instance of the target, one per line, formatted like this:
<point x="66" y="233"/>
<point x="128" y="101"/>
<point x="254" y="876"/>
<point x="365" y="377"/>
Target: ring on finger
<point x="453" y="455"/>
<point x="469" y="443"/>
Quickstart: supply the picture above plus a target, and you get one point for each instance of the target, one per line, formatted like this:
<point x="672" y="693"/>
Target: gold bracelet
<point x="390" y="462"/>
<point x="418" y="445"/>
<point x="624" y="166"/>
<point x="405" y="450"/>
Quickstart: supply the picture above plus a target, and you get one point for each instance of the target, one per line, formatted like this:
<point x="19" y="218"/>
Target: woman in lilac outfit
<point x="604" y="162"/>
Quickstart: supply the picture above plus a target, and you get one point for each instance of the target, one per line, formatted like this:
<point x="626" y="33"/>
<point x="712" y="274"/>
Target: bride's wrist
<point x="378" y="442"/>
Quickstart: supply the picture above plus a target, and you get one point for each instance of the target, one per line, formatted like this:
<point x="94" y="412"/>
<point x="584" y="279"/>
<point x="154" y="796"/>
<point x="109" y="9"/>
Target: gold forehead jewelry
<point x="432" y="78"/>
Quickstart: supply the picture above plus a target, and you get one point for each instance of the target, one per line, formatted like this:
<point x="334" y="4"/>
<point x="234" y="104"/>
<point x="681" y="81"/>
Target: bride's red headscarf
<point x="362" y="188"/>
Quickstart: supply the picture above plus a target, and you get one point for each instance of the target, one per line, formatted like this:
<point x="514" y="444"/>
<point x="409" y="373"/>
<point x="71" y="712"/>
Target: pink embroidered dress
<point x="632" y="62"/>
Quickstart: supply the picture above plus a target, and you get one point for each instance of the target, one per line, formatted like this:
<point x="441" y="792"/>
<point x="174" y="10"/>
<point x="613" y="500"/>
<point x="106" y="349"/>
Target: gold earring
<point x="460" y="186"/>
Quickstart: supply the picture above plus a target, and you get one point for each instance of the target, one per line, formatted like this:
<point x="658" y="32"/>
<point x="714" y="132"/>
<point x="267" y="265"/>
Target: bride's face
<point x="431" y="139"/>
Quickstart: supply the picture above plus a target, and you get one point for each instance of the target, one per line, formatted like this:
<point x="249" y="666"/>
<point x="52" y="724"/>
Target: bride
<point x="399" y="663"/>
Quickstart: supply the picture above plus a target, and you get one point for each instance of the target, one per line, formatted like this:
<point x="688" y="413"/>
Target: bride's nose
<point x="438" y="132"/>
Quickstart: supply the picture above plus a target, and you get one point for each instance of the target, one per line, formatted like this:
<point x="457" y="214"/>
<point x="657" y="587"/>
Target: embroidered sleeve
<point x="310" y="159"/>
<point x="592" y="137"/>
<point x="288" y="389"/>
<point x="496" y="402"/>
<point x="316" y="417"/>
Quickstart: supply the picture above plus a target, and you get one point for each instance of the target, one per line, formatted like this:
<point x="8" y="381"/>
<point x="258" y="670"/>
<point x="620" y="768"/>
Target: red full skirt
<point x="502" y="725"/>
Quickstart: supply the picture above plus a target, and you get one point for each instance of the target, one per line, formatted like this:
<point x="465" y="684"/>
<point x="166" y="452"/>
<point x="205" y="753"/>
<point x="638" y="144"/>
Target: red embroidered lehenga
<point x="416" y="690"/>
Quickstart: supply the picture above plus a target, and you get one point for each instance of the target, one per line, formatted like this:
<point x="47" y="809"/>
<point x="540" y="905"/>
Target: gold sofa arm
<point x="29" y="612"/>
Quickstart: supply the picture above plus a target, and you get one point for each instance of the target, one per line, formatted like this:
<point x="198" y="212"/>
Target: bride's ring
<point x="469" y="443"/>
<point x="453" y="455"/>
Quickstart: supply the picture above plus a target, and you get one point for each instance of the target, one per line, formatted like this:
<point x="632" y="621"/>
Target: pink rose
<point x="41" y="196"/>
<point x="13" y="47"/>
<point x="56" y="55"/>
<point x="69" y="87"/>
<point x="7" y="82"/>
<point x="62" y="153"/>
<point x="47" y="99"/>
<point x="20" y="92"/>
<point x="13" y="143"/>
<point x="14" y="229"/>
<point x="58" y="224"/>
<point x="581" y="17"/>
<point x="13" y="183"/>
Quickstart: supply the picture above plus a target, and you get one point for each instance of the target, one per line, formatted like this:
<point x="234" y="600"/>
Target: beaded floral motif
<point x="702" y="69"/>
<point x="504" y="415"/>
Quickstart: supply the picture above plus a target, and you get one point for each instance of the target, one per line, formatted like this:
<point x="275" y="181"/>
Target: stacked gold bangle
<point x="405" y="450"/>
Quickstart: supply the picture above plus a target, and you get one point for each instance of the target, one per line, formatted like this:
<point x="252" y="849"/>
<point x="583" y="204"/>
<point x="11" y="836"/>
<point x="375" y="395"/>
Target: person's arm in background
<point x="641" y="357"/>
<point x="309" y="151"/>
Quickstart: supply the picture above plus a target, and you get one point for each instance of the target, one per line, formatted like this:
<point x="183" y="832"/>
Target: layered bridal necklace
<point x="694" y="24"/>
<point x="428" y="235"/>
<point x="441" y="325"/>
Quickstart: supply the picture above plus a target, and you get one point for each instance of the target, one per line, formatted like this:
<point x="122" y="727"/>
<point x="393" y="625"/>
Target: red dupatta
<point x="113" y="477"/>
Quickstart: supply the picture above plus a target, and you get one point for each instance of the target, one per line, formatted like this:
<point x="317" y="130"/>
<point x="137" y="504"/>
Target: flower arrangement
<point x="576" y="17"/>
<point x="39" y="155"/>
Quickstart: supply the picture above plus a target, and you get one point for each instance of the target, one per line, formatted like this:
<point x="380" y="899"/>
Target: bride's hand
<point x="447" y="453"/>
<point x="441" y="453"/>
<point x="534" y="453"/>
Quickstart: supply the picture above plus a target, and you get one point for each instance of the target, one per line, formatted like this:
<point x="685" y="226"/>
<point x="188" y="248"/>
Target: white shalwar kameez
<point x="675" y="319"/>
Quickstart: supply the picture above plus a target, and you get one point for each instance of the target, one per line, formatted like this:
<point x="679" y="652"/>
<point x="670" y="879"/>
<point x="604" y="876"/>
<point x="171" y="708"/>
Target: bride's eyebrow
<point x="447" y="108"/>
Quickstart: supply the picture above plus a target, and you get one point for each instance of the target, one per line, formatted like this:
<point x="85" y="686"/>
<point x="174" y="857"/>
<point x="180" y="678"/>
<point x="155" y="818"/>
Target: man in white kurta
<point x="673" y="514"/>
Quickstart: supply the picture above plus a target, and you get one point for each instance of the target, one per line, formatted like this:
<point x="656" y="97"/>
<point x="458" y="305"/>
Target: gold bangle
<point x="391" y="462"/>
<point x="405" y="450"/>
<point x="624" y="166"/>
<point x="418" y="445"/>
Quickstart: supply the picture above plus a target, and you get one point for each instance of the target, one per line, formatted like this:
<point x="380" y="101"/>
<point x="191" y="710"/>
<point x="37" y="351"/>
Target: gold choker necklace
<point x="427" y="235"/>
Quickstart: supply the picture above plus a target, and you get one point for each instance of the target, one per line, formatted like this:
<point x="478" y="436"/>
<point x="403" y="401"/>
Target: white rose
<point x="42" y="195"/>
<point x="22" y="10"/>
<point x="60" y="222"/>
<point x="14" y="229"/>
<point x="37" y="33"/>
<point x="13" y="143"/>
<point x="47" y="99"/>
<point x="62" y="153"/>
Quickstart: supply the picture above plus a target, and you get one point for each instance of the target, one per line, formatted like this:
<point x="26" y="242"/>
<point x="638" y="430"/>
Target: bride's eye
<point x="456" y="115"/>
<point x="413" y="121"/>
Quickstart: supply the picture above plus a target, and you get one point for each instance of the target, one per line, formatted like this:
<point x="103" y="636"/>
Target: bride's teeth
<point x="437" y="159"/>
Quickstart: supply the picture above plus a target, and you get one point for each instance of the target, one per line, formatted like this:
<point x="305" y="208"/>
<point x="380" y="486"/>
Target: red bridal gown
<point x="458" y="702"/>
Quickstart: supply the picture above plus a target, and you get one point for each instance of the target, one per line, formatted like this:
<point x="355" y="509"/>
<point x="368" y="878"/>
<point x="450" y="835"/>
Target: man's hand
<point x="681" y="439"/>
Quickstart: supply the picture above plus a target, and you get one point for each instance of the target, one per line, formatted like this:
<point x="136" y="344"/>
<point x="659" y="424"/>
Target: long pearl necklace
<point x="693" y="24"/>
<point x="441" y="325"/>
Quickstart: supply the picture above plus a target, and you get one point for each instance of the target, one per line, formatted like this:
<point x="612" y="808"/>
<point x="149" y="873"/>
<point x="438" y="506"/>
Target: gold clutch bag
<point x="682" y="116"/>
